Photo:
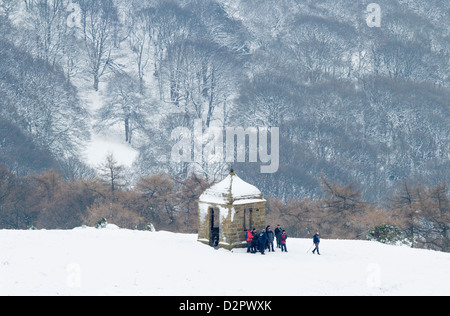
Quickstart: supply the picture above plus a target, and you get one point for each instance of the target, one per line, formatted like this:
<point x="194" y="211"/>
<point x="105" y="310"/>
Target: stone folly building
<point x="227" y="210"/>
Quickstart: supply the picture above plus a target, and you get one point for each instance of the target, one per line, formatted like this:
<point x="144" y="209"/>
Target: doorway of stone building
<point x="248" y="219"/>
<point x="214" y="215"/>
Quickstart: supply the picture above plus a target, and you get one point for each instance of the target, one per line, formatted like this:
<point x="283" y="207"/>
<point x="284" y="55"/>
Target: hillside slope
<point x="354" y="103"/>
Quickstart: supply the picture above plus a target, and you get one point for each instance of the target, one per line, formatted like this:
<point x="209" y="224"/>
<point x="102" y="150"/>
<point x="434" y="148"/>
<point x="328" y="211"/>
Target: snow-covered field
<point x="87" y="261"/>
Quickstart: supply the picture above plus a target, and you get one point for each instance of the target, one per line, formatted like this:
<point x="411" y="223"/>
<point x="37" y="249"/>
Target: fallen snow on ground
<point x="88" y="261"/>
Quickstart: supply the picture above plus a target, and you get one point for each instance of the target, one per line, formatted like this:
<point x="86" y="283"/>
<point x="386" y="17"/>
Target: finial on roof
<point x="232" y="172"/>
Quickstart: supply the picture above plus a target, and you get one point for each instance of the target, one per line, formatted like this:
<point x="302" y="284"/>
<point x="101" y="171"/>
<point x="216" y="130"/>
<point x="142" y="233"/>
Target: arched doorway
<point x="214" y="215"/>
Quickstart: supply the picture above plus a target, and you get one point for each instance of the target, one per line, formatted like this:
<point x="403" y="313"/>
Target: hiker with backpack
<point x="316" y="241"/>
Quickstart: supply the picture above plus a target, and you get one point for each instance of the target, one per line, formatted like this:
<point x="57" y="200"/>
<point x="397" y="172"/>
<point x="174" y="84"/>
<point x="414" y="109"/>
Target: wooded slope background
<point x="360" y="105"/>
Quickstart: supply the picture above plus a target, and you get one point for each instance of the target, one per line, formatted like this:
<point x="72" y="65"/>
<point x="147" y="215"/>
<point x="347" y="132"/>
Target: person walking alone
<point x="316" y="241"/>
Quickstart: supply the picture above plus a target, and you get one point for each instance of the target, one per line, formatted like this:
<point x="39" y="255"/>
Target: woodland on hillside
<point x="363" y="112"/>
<point x="368" y="105"/>
<point x="416" y="215"/>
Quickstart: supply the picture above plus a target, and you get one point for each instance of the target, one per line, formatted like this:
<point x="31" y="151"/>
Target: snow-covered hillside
<point x="101" y="144"/>
<point x="354" y="102"/>
<point x="87" y="261"/>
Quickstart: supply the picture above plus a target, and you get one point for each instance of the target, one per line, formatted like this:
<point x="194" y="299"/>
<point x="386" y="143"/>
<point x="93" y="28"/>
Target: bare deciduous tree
<point x="112" y="173"/>
<point x="99" y="19"/>
<point x="125" y="106"/>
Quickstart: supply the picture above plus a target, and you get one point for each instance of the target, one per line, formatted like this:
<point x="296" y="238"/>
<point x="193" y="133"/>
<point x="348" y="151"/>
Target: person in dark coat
<point x="316" y="241"/>
<point x="262" y="239"/>
<point x="270" y="238"/>
<point x="283" y="241"/>
<point x="278" y="232"/>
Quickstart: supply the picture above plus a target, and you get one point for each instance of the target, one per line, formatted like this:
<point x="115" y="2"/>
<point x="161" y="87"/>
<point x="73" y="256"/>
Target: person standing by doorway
<point x="316" y="241"/>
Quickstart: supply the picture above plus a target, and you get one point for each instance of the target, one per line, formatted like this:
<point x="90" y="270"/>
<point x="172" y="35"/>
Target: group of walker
<point x="260" y="242"/>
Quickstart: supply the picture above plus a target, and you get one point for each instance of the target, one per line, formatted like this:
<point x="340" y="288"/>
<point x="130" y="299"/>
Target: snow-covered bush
<point x="386" y="234"/>
<point x="101" y="223"/>
<point x="150" y="227"/>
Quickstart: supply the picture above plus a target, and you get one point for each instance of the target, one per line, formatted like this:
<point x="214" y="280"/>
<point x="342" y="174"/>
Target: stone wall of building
<point x="232" y="221"/>
<point x="233" y="226"/>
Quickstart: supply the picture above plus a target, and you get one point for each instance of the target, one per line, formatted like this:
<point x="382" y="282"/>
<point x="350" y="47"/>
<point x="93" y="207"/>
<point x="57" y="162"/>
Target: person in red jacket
<point x="250" y="235"/>
<point x="283" y="241"/>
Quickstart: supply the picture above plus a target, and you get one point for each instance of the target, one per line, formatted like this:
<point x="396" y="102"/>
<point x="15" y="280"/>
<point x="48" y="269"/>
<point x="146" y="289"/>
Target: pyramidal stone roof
<point x="232" y="191"/>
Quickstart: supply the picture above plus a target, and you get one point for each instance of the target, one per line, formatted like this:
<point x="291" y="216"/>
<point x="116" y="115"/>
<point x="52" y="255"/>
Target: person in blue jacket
<point x="316" y="241"/>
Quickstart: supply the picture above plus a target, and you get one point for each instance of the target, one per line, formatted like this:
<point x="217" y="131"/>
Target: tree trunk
<point x="127" y="130"/>
<point x="96" y="82"/>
